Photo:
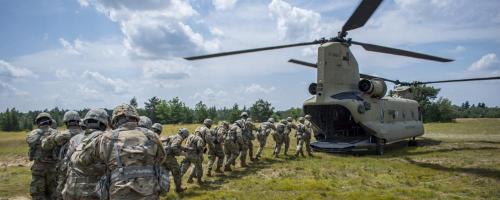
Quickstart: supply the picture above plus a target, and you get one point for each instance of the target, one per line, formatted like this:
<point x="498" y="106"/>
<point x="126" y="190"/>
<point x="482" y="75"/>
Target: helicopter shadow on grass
<point x="490" y="173"/>
<point x="220" y="179"/>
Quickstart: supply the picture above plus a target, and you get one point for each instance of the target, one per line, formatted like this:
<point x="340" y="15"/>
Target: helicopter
<point x="350" y="110"/>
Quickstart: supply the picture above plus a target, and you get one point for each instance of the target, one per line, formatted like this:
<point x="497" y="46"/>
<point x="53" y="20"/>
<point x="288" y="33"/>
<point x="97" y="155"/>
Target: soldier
<point x="232" y="139"/>
<point x="288" y="129"/>
<point x="145" y="122"/>
<point x="81" y="181"/>
<point x="60" y="142"/>
<point x="265" y="130"/>
<point x="243" y="144"/>
<point x="173" y="148"/>
<point x="43" y="171"/>
<point x="133" y="157"/>
<point x="309" y="124"/>
<point x="249" y="137"/>
<point x="303" y="138"/>
<point x="157" y="128"/>
<point x="279" y="137"/>
<point x="194" y="155"/>
<point x="217" y="152"/>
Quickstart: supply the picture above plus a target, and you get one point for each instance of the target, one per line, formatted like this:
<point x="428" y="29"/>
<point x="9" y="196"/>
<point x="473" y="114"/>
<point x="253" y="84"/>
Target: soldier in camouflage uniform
<point x="133" y="156"/>
<point x="194" y="155"/>
<point x="243" y="145"/>
<point x="60" y="143"/>
<point x="232" y="139"/>
<point x="145" y="122"/>
<point x="173" y="148"/>
<point x="43" y="171"/>
<point x="157" y="128"/>
<point x="303" y="138"/>
<point x="217" y="152"/>
<point x="265" y="129"/>
<point x="288" y="129"/>
<point x="81" y="181"/>
<point x="309" y="124"/>
<point x="249" y="137"/>
<point x="279" y="137"/>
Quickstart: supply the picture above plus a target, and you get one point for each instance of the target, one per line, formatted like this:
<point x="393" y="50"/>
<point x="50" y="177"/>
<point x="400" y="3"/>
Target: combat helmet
<point x="271" y="120"/>
<point x="145" y="122"/>
<point x="208" y="122"/>
<point x="71" y="118"/>
<point x="283" y="121"/>
<point x="301" y="119"/>
<point x="41" y="116"/>
<point x="225" y="124"/>
<point x="124" y="111"/>
<point x="308" y="117"/>
<point x="96" y="118"/>
<point x="157" y="128"/>
<point x="183" y="132"/>
<point x="244" y="114"/>
<point x="289" y="119"/>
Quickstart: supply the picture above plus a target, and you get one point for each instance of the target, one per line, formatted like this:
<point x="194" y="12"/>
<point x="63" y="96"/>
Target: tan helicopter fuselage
<point x="340" y="110"/>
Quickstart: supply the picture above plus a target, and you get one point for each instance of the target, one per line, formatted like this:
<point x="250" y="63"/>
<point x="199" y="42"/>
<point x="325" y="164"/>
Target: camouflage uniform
<point x="133" y="156"/>
<point x="205" y="134"/>
<point x="217" y="152"/>
<point x="243" y="146"/>
<point x="145" y="122"/>
<point x="309" y="124"/>
<point x="194" y="155"/>
<point x="288" y="129"/>
<point x="43" y="171"/>
<point x="233" y="139"/>
<point x="265" y="129"/>
<point x="303" y="138"/>
<point x="60" y="142"/>
<point x="279" y="137"/>
<point x="82" y="180"/>
<point x="173" y="148"/>
<point x="248" y="138"/>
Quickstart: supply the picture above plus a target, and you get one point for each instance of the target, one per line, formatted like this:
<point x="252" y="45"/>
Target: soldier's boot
<point x="243" y="164"/>
<point x="310" y="154"/>
<point x="199" y="181"/>
<point x="227" y="168"/>
<point x="190" y="180"/>
<point x="179" y="189"/>
<point x="218" y="171"/>
<point x="209" y="173"/>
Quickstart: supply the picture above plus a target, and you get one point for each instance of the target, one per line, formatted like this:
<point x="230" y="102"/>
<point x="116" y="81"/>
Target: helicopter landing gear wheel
<point x="412" y="142"/>
<point x="380" y="146"/>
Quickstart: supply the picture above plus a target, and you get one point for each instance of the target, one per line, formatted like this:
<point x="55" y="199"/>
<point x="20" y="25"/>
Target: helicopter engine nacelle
<point x="375" y="88"/>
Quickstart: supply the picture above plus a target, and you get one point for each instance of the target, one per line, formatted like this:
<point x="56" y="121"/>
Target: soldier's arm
<point x="89" y="151"/>
<point x="175" y="146"/>
<point x="62" y="137"/>
<point x="49" y="142"/>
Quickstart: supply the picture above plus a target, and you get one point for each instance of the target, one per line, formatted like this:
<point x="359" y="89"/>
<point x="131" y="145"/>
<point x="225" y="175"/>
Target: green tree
<point x="133" y="102"/>
<point x="234" y="113"/>
<point x="261" y="110"/>
<point x="200" y="112"/>
<point x="150" y="108"/>
<point x="212" y="113"/>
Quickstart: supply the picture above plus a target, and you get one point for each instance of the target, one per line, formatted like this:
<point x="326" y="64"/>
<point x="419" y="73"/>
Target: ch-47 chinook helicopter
<point x="349" y="110"/>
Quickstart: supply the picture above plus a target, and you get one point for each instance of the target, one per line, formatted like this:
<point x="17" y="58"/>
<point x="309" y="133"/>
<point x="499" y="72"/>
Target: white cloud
<point x="155" y="29"/>
<point x="7" y="90"/>
<point x="117" y="86"/>
<point x="211" y="97"/>
<point x="294" y="23"/>
<point x="256" y="88"/>
<point x="174" y="69"/>
<point x="63" y="74"/>
<point x="10" y="71"/>
<point x="485" y="62"/>
<point x="74" y="48"/>
<point x="224" y="4"/>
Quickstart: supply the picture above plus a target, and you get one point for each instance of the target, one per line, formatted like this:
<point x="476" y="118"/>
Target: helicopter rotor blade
<point x="361" y="15"/>
<point x="300" y="62"/>
<point x="459" y="80"/>
<point x="252" y="50"/>
<point x="400" y="52"/>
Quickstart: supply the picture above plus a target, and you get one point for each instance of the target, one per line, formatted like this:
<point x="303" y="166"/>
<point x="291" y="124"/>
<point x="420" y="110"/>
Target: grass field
<point x="453" y="161"/>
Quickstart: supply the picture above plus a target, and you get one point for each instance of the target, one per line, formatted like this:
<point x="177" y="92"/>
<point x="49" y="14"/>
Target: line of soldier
<point x="125" y="158"/>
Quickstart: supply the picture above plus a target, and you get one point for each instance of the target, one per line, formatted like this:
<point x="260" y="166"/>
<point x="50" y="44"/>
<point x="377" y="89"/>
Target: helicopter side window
<point x="404" y="115"/>
<point x="412" y="115"/>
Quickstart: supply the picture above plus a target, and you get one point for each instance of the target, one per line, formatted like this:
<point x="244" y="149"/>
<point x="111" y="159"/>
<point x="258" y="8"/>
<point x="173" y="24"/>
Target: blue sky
<point x="99" y="53"/>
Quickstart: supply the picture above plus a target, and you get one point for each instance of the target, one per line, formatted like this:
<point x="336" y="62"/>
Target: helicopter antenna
<point x="358" y="19"/>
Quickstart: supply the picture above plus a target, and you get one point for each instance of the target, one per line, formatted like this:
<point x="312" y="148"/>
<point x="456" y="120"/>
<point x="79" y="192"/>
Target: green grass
<point x="453" y="161"/>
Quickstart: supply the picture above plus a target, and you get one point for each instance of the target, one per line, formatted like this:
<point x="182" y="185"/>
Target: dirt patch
<point x="17" y="161"/>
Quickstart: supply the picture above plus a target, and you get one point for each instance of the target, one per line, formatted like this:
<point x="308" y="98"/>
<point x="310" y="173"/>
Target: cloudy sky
<point x="98" y="53"/>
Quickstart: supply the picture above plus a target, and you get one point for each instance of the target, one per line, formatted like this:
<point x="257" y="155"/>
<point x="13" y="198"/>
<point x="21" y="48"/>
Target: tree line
<point x="174" y="111"/>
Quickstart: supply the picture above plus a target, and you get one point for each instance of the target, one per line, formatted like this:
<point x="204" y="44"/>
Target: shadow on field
<point x="221" y="179"/>
<point x="490" y="173"/>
